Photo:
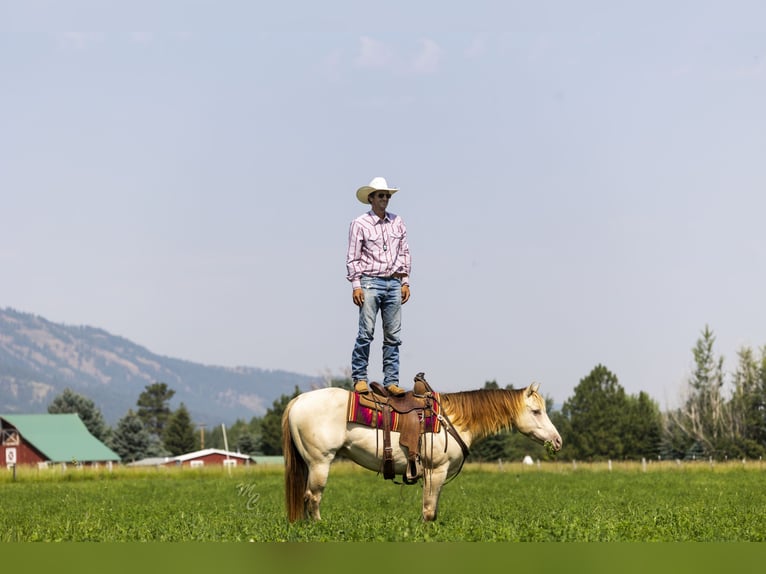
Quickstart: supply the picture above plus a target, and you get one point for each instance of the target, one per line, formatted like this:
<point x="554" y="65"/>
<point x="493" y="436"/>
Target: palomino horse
<point x="315" y="430"/>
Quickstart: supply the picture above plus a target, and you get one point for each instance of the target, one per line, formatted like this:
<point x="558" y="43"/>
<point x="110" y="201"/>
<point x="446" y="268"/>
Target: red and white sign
<point x="10" y="456"/>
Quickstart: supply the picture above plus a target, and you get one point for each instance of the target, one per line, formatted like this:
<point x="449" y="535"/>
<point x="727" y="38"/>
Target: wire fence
<point x="644" y="465"/>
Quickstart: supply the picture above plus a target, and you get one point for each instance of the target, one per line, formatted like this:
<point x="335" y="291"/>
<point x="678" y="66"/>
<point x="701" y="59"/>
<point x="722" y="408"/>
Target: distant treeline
<point x="722" y="416"/>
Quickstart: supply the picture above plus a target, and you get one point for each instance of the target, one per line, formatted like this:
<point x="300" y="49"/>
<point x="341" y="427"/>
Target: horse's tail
<point x="296" y="472"/>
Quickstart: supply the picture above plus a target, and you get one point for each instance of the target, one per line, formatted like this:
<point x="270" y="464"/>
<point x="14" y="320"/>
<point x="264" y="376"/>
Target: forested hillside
<point x="39" y="359"/>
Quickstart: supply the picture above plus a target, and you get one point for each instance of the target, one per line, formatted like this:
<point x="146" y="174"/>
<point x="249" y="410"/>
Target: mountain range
<point x="39" y="359"/>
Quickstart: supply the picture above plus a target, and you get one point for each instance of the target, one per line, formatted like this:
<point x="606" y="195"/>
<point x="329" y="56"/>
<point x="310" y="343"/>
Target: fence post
<point x="643" y="464"/>
<point x="610" y="465"/>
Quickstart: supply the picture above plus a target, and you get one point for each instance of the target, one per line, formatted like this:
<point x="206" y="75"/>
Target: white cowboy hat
<point x="377" y="184"/>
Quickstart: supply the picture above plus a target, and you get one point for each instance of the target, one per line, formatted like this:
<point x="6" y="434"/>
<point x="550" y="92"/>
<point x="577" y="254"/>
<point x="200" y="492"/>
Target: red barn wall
<point x="25" y="453"/>
<point x="213" y="459"/>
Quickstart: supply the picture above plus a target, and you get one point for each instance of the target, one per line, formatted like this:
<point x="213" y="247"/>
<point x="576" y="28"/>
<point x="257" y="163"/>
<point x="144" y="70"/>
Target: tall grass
<point x="554" y="501"/>
<point x="72" y="473"/>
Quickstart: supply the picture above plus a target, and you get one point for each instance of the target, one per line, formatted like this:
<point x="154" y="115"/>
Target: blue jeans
<point x="384" y="295"/>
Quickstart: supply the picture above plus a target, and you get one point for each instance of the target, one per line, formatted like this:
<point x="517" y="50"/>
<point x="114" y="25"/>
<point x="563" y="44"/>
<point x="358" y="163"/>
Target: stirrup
<point x="413" y="471"/>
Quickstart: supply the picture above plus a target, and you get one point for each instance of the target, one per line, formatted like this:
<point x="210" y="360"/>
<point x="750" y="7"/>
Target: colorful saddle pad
<point x="359" y="412"/>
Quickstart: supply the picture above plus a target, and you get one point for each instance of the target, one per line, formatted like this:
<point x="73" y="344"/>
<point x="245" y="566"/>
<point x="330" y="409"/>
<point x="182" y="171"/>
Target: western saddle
<point x="412" y="411"/>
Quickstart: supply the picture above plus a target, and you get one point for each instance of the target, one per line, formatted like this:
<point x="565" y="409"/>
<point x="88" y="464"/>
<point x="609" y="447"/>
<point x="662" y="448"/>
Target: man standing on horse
<point x="378" y="265"/>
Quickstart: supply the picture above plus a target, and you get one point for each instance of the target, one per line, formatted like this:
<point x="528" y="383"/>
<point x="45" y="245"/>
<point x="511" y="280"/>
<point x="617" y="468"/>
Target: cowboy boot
<point x="395" y="390"/>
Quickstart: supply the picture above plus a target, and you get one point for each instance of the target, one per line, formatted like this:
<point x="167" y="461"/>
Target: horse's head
<point x="533" y="421"/>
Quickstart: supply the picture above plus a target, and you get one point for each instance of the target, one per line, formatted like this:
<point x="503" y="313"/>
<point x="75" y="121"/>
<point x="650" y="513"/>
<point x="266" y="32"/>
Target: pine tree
<point x="491" y="448"/>
<point x="705" y="405"/>
<point x="132" y="441"/>
<point x="71" y="402"/>
<point x="595" y="414"/>
<point x="746" y="407"/>
<point x="703" y="419"/>
<point x="153" y="407"/>
<point x="642" y="428"/>
<point x="246" y="444"/>
<point x="179" y="433"/>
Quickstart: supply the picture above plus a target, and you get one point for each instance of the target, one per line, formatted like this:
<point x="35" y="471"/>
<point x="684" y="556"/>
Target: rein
<point x="449" y="428"/>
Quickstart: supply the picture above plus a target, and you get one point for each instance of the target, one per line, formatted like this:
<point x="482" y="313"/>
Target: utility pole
<point x="202" y="435"/>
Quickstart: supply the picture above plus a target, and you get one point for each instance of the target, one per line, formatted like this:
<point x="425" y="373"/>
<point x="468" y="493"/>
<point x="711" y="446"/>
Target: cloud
<point x="427" y="60"/>
<point x="373" y="54"/>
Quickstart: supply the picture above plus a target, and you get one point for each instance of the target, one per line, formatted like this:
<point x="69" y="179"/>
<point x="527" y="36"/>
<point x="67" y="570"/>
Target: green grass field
<point x="551" y="503"/>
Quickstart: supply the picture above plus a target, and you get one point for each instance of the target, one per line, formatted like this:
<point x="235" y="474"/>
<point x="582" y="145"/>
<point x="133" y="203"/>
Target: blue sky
<point x="583" y="182"/>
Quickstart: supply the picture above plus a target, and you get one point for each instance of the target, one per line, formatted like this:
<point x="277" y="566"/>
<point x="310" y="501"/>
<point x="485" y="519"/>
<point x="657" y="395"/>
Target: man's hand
<point x="405" y="293"/>
<point x="358" y="297"/>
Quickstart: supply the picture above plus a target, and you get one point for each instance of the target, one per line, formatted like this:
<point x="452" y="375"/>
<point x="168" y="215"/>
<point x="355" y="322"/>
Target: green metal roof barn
<point x="32" y="439"/>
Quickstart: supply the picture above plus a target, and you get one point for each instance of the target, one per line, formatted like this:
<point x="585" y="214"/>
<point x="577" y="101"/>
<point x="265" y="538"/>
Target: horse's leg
<point x="317" y="427"/>
<point x="317" y="480"/>
<point x="432" y="486"/>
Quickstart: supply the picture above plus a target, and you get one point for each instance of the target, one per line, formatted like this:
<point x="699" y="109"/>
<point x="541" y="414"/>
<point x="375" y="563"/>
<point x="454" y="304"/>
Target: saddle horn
<point x="421" y="387"/>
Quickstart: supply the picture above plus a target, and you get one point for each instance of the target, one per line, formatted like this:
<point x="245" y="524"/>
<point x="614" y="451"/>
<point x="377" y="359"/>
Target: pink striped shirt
<point x="378" y="248"/>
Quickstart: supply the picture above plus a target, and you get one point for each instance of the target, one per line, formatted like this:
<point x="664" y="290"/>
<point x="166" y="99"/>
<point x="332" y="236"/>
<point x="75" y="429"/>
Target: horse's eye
<point x="537" y="412"/>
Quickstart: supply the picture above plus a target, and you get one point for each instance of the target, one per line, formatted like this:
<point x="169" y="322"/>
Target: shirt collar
<point x="387" y="219"/>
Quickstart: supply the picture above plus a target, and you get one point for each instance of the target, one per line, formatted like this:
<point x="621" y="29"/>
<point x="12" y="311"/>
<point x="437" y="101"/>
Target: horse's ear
<point x="532" y="389"/>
